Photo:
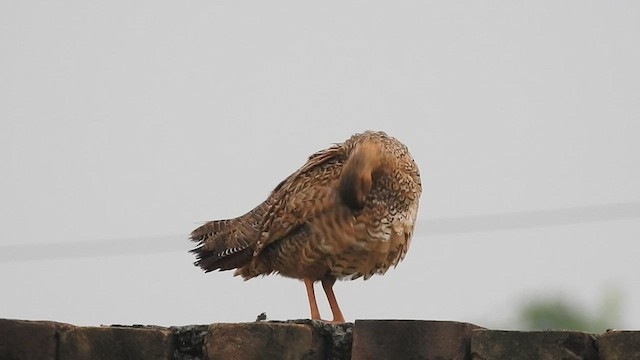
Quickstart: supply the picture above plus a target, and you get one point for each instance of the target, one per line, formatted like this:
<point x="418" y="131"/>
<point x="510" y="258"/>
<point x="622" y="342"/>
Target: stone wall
<point x="305" y="339"/>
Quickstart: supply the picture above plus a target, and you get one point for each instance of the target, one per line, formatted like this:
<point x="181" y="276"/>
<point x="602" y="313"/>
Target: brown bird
<point x="349" y="212"/>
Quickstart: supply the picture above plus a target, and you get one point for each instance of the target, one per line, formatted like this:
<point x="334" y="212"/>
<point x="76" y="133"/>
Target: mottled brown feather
<point x="348" y="212"/>
<point x="228" y="244"/>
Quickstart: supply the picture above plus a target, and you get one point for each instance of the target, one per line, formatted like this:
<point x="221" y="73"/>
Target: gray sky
<point x="124" y="123"/>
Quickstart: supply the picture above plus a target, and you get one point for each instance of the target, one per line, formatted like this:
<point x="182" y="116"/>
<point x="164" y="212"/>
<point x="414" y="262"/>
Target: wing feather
<point x="304" y="194"/>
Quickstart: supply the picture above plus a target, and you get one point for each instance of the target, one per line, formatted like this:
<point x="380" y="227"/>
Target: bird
<point x="349" y="212"/>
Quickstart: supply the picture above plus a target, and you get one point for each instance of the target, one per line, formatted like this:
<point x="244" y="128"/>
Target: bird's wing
<point x="304" y="194"/>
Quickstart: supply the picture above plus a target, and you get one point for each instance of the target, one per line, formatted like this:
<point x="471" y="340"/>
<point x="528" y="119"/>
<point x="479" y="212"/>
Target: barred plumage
<point x="349" y="212"/>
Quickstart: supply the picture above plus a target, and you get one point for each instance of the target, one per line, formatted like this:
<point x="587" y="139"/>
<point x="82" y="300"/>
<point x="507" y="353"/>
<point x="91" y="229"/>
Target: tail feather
<point x="227" y="244"/>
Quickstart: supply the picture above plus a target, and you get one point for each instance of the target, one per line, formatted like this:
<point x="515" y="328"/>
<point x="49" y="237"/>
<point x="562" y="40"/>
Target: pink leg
<point x="327" y="285"/>
<point x="313" y="305"/>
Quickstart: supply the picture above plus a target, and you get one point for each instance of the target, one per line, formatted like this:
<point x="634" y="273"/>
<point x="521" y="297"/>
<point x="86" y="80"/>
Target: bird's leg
<point x="327" y="285"/>
<point x="313" y="305"/>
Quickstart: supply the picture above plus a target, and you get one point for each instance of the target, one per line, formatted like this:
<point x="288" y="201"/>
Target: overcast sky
<point x="130" y="123"/>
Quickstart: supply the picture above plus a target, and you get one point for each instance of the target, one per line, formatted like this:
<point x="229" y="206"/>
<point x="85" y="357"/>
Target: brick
<point x="263" y="341"/>
<point x="619" y="345"/>
<point x="26" y="340"/>
<point x="337" y="337"/>
<point x="188" y="341"/>
<point x="411" y="339"/>
<point x="538" y="345"/>
<point x="102" y="343"/>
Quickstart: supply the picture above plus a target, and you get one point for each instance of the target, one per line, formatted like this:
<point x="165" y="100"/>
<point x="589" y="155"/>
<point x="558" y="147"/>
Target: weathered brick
<point x="26" y="340"/>
<point x="98" y="343"/>
<point x="619" y="345"/>
<point x="188" y="341"/>
<point x="263" y="341"/>
<point x="337" y="337"/>
<point x="533" y="345"/>
<point x="411" y="339"/>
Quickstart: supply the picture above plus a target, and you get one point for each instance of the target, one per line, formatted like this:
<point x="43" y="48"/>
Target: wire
<point x="425" y="227"/>
<point x="531" y="219"/>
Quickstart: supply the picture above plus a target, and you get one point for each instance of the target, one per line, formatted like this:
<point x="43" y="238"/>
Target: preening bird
<point x="349" y="212"/>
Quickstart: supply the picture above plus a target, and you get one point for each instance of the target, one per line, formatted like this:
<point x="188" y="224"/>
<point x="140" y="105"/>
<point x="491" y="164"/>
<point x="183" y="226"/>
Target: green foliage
<point x="561" y="313"/>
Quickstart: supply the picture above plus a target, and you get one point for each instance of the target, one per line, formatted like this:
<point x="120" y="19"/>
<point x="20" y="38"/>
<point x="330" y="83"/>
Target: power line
<point x="425" y="227"/>
<point x="530" y="219"/>
<point x="98" y="248"/>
